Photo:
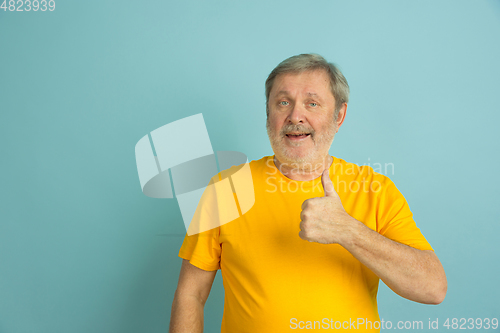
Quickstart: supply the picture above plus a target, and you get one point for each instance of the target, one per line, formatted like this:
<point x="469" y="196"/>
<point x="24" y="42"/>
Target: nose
<point x="297" y="115"/>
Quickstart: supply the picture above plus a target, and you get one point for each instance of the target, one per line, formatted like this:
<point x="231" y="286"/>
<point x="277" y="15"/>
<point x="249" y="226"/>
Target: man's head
<point x="306" y="104"/>
<point x="312" y="62"/>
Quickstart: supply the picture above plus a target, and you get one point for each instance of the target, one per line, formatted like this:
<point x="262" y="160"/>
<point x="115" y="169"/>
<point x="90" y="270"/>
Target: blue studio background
<point x="82" y="249"/>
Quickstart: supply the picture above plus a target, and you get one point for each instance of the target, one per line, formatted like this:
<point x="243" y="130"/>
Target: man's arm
<point x="190" y="297"/>
<point x="411" y="273"/>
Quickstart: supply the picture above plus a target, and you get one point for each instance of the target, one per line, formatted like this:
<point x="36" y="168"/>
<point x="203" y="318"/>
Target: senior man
<point x="322" y="232"/>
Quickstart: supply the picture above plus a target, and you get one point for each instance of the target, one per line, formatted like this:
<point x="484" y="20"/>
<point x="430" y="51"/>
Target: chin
<point x="297" y="158"/>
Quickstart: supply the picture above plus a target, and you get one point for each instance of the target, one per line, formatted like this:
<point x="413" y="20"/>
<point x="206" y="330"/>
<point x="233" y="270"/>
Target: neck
<point x="303" y="171"/>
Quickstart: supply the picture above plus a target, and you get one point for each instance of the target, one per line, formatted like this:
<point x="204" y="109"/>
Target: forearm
<point x="411" y="273"/>
<point x="186" y="315"/>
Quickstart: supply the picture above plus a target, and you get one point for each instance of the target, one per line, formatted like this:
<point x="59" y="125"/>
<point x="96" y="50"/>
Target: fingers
<point x="304" y="204"/>
<point x="302" y="235"/>
<point x="327" y="184"/>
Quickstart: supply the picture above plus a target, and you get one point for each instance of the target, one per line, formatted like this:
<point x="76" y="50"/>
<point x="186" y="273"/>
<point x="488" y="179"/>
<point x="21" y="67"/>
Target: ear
<point x="341" y="115"/>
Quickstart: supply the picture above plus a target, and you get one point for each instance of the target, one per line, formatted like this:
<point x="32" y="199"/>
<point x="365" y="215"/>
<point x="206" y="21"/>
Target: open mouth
<point x="298" y="135"/>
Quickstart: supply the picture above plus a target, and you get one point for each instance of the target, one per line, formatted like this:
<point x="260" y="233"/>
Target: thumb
<point x="327" y="184"/>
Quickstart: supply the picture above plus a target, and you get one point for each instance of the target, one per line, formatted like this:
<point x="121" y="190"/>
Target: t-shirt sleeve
<point x="202" y="250"/>
<point x="395" y="220"/>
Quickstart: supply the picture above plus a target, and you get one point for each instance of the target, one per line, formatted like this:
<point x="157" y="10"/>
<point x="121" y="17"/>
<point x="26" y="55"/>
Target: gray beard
<point x="305" y="162"/>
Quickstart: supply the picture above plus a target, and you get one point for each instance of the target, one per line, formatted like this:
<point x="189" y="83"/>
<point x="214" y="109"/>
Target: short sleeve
<point x="395" y="220"/>
<point x="202" y="250"/>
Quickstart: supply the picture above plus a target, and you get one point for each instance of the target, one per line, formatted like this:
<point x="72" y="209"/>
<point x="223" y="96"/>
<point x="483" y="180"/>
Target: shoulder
<point x="342" y="167"/>
<point x="351" y="172"/>
<point x="236" y="163"/>
<point x="241" y="161"/>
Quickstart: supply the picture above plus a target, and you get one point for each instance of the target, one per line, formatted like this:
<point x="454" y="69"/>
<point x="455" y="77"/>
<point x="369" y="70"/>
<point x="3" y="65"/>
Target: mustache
<point x="296" y="128"/>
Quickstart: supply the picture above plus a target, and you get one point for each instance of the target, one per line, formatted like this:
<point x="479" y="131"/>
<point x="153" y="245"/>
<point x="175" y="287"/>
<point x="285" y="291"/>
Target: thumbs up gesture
<point x="323" y="219"/>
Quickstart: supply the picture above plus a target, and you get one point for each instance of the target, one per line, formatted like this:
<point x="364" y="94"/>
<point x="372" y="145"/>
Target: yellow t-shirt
<point x="276" y="282"/>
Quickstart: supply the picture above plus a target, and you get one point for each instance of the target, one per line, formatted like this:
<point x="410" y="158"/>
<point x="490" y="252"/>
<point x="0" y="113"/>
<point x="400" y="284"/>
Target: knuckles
<point x="306" y="204"/>
<point x="305" y="235"/>
<point x="311" y="203"/>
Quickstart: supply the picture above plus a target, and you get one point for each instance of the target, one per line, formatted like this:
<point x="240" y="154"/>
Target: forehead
<point x="309" y="82"/>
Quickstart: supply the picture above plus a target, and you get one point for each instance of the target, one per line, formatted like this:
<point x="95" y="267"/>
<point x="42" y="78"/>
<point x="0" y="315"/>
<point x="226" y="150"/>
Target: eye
<point x="283" y="103"/>
<point x="313" y="104"/>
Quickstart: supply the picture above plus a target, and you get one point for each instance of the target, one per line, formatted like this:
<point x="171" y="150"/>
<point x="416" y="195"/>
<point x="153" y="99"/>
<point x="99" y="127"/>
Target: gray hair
<point x="310" y="62"/>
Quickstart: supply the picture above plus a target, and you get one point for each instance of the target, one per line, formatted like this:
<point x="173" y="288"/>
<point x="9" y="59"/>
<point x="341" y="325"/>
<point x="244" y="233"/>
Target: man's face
<point x="301" y="124"/>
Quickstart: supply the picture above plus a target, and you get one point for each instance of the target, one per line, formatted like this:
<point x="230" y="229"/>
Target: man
<point x="322" y="231"/>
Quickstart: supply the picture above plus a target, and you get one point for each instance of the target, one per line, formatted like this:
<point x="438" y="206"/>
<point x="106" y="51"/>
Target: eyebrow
<point x="285" y="92"/>
<point x="282" y="92"/>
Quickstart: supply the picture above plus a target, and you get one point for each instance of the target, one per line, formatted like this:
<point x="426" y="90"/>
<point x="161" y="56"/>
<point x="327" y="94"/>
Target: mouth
<point x="297" y="135"/>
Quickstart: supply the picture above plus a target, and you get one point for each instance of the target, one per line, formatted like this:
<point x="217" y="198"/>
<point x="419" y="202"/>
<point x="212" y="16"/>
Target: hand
<point x="323" y="219"/>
